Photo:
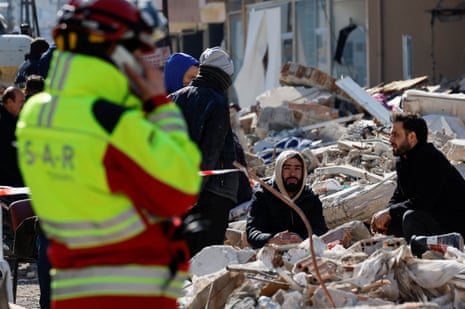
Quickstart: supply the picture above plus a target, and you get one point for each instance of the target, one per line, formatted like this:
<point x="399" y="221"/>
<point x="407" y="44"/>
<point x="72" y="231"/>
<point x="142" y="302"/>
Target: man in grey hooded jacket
<point x="205" y="107"/>
<point x="270" y="220"/>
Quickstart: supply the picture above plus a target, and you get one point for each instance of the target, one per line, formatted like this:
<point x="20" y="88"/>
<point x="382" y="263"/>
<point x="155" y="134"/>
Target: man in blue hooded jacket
<point x="180" y="70"/>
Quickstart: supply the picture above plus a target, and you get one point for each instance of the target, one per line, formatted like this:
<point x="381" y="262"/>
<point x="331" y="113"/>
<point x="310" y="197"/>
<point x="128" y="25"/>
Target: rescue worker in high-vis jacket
<point x="109" y="162"/>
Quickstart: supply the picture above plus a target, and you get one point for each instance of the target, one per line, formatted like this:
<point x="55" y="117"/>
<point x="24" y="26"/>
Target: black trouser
<point x="213" y="210"/>
<point x="415" y="222"/>
<point x="43" y="268"/>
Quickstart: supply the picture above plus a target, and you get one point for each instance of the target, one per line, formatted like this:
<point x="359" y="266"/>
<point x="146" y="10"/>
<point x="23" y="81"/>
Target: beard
<point x="401" y="149"/>
<point x="292" y="187"/>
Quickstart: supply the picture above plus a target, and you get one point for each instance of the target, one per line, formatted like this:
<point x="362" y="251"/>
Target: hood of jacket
<point x="175" y="68"/>
<point x="278" y="176"/>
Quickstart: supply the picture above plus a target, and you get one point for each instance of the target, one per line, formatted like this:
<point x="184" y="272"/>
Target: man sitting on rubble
<point x="430" y="192"/>
<point x="272" y="221"/>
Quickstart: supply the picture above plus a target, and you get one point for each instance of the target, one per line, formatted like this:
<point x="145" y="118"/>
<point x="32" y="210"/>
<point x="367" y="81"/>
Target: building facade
<point x="372" y="41"/>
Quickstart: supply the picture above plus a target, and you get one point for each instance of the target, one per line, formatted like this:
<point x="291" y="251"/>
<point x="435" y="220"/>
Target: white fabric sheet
<point x="263" y="33"/>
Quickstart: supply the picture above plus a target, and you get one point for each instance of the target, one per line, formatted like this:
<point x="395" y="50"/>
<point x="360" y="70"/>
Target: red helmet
<point x="101" y="21"/>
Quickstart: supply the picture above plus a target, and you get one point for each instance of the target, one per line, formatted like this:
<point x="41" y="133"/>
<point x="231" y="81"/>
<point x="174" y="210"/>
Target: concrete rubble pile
<point x="342" y="130"/>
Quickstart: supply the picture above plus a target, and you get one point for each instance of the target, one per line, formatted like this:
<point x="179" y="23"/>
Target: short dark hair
<point x="38" y="47"/>
<point x="412" y="123"/>
<point x="34" y="84"/>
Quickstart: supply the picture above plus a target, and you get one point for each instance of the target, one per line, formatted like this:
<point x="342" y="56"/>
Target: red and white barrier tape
<point x="218" y="172"/>
<point x="4" y="191"/>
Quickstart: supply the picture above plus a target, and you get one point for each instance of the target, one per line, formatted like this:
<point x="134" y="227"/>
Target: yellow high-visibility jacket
<point x="105" y="180"/>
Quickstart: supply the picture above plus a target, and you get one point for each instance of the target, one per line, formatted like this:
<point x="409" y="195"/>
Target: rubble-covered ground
<point x="342" y="130"/>
<point x="28" y="294"/>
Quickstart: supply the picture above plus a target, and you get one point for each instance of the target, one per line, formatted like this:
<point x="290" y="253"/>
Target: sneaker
<point x="420" y="244"/>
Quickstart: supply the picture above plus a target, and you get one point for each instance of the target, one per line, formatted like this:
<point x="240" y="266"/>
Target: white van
<point x="13" y="47"/>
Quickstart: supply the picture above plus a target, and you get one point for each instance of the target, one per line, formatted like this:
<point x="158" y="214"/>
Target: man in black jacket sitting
<point x="270" y="220"/>
<point x="430" y="191"/>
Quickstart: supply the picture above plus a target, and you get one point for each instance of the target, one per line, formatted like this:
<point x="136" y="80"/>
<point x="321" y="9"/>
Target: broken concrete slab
<point x="426" y="103"/>
<point x="350" y="170"/>
<point x="214" y="258"/>
<point x="358" y="202"/>
<point x="285" y="95"/>
<point x="214" y="291"/>
<point x="455" y="150"/>
<point x="339" y="120"/>
<point x="364" y="99"/>
<point x="448" y="125"/>
<point x="285" y="118"/>
<point x="277" y="119"/>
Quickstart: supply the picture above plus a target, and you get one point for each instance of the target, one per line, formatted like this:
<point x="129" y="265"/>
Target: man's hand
<point x="380" y="221"/>
<point x="285" y="238"/>
<point x="149" y="85"/>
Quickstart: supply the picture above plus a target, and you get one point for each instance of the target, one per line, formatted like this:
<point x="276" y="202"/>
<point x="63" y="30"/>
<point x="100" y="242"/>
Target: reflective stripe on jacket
<point x="151" y="281"/>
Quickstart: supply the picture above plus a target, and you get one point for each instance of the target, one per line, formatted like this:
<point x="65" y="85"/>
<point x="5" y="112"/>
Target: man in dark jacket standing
<point x="271" y="221"/>
<point x="12" y="102"/>
<point x="205" y="106"/>
<point x="430" y="194"/>
<point x="31" y="63"/>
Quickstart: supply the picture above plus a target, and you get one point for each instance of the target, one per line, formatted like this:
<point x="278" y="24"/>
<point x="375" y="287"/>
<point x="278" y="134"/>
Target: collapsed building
<point x="343" y="132"/>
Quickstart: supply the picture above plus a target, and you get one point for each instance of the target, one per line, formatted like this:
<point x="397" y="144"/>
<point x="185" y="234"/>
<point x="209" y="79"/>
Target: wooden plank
<point x="402" y="85"/>
<point x="398" y="86"/>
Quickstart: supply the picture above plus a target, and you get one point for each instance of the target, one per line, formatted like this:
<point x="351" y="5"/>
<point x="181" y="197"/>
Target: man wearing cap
<point x="205" y="106"/>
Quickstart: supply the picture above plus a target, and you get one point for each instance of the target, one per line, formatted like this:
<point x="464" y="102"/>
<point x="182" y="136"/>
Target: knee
<point x="410" y="220"/>
<point x="409" y="216"/>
